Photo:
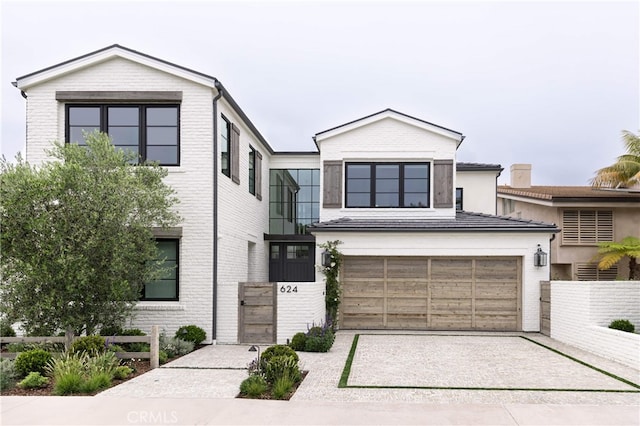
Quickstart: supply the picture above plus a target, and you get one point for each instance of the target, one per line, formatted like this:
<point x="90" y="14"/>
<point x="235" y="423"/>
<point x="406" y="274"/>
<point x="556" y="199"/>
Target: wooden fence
<point x="153" y="340"/>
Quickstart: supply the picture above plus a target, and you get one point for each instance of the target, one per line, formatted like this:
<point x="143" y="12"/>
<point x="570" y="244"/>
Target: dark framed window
<point x="151" y="132"/>
<point x="290" y="205"/>
<point x="225" y="147"/>
<point x="387" y="185"/>
<point x="165" y="287"/>
<point x="252" y="170"/>
<point x="459" y="199"/>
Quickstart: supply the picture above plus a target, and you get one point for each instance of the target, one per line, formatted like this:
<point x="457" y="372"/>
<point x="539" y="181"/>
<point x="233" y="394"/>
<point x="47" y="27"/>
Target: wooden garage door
<point x="461" y="293"/>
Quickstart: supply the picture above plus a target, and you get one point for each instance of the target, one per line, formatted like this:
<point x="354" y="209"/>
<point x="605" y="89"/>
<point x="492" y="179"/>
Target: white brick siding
<point x="242" y="219"/>
<point x="455" y="244"/>
<point x="582" y="310"/>
<point x="298" y="312"/>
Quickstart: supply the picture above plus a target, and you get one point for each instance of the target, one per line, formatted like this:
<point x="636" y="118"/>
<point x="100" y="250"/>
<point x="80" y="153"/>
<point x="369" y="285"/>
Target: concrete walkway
<point x="417" y="378"/>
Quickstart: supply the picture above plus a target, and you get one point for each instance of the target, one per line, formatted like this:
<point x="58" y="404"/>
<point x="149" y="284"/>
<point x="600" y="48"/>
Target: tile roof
<point x="463" y="222"/>
<point x="571" y="193"/>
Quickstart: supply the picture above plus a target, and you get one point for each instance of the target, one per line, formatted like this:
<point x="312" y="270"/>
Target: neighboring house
<point x="387" y="185"/>
<point x="585" y="215"/>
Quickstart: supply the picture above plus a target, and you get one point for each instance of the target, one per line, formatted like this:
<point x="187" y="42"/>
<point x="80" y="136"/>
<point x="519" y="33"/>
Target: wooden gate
<point x="257" y="312"/>
<point x="545" y="308"/>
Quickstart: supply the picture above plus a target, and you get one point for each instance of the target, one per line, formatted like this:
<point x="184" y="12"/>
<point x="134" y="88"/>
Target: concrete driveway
<point x="371" y="378"/>
<point x="418" y="367"/>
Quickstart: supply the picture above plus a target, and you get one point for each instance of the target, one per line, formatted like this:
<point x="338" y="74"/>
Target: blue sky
<point x="547" y="83"/>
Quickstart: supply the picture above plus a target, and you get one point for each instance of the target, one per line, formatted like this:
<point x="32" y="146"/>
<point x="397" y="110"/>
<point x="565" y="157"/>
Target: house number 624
<point x="288" y="289"/>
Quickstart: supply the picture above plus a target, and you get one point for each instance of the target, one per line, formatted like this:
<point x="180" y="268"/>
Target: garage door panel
<point x="363" y="267"/>
<point x="406" y="305"/>
<point x="451" y="269"/>
<point x="368" y="288"/>
<point x="495" y="269"/>
<point x="508" y="290"/>
<point x="447" y="290"/>
<point x="407" y="321"/>
<point x="451" y="321"/>
<point x="431" y="293"/>
<point x="363" y="321"/>
<point x="366" y="305"/>
<point x="409" y="288"/>
<point x="410" y="267"/>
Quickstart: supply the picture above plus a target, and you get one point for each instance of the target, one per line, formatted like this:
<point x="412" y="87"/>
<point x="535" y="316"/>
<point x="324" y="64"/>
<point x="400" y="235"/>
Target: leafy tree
<point x="77" y="242"/>
<point x="625" y="172"/>
<point x="613" y="252"/>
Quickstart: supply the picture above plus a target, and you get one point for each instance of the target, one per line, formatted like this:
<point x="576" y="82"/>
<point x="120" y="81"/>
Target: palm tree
<point x="624" y="173"/>
<point x="613" y="252"/>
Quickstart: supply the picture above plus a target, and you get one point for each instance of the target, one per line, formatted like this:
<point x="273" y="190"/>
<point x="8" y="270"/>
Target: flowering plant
<point x="331" y="273"/>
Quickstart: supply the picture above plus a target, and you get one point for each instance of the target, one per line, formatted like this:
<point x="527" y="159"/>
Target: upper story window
<point x="587" y="227"/>
<point x="404" y="185"/>
<point x="459" y="192"/>
<point x="165" y="287"/>
<point x="252" y="170"/>
<point x="225" y="147"/>
<point x="151" y="132"/>
<point x="294" y="201"/>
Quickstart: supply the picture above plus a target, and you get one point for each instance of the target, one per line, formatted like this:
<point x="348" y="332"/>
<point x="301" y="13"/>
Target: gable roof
<point x="457" y="136"/>
<point x="570" y="194"/>
<point x="118" y="51"/>
<point x="463" y="222"/>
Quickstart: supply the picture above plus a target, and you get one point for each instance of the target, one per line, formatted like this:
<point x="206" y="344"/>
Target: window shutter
<point x="332" y="185"/>
<point x="443" y="183"/>
<point x="235" y="153"/>
<point x="257" y="164"/>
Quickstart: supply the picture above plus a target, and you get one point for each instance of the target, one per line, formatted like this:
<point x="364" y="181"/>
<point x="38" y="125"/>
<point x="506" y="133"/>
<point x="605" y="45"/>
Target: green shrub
<point x="95" y="382"/>
<point x="122" y="372"/>
<point x="112" y="347"/>
<point x="6" y="330"/>
<point x="163" y="357"/>
<point x="282" y="387"/>
<point x="33" y="360"/>
<point x="89" y="344"/>
<point x="299" y="341"/>
<point x="174" y="347"/>
<point x="623" y="325"/>
<point x="17" y="347"/>
<point x="106" y="362"/>
<point x="253" y="386"/>
<point x="8" y="373"/>
<point x="34" y="380"/>
<point x="111" y="330"/>
<point x="80" y="373"/>
<point x="281" y="366"/>
<point x="68" y="383"/>
<point x="191" y="333"/>
<point x="133" y="332"/>
<point x="276" y="350"/>
<point x="137" y="347"/>
<point x="319" y="342"/>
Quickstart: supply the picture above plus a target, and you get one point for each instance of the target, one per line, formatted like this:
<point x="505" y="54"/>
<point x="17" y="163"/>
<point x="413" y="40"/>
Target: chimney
<point x="521" y="175"/>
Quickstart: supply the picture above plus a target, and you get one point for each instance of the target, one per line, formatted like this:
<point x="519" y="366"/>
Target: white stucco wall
<point x="479" y="191"/>
<point x="386" y="140"/>
<point x="455" y="244"/>
<point x="582" y="310"/>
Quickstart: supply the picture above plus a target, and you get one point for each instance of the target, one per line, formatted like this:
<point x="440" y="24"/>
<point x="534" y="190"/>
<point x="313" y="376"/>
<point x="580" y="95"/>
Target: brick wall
<point x="581" y="312"/>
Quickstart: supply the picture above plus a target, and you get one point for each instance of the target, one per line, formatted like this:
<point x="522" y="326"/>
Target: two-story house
<point x="423" y="248"/>
<point x="586" y="215"/>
